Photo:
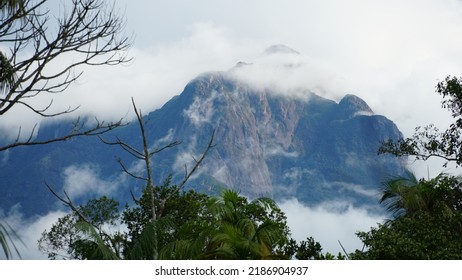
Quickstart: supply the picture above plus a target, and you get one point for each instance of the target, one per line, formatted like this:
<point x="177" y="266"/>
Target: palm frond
<point x="92" y="246"/>
<point x="6" y="240"/>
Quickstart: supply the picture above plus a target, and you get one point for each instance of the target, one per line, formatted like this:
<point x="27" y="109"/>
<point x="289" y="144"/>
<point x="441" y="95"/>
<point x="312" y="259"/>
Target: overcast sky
<point x="390" y="53"/>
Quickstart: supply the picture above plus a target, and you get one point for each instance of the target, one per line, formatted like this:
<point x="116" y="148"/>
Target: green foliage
<point x="93" y="244"/>
<point x="6" y="73"/>
<point x="72" y="238"/>
<point x="179" y="211"/>
<point x="246" y="230"/>
<point x="407" y="196"/>
<point x="429" y="141"/>
<point x="427" y="214"/>
<point x="308" y="249"/>
<point x="423" y="236"/>
<point x="192" y="226"/>
<point x="427" y="221"/>
<point x="101" y="211"/>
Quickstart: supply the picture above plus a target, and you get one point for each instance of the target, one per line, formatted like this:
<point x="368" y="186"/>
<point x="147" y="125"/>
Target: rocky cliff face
<point x="280" y="146"/>
<point x="267" y="144"/>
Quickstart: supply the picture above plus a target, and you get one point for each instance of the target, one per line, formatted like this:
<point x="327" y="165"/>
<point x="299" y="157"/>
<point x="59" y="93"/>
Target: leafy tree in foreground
<point x="238" y="229"/>
<point x="427" y="214"/>
<point x="427" y="221"/>
<point x="71" y="237"/>
<point x="194" y="226"/>
<point x="430" y="141"/>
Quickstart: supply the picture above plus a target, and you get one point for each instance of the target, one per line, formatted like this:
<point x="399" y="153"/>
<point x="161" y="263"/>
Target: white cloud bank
<point x="29" y="232"/>
<point x="329" y="223"/>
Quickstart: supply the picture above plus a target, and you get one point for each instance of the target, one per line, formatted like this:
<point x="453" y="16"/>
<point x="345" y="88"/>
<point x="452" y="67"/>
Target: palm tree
<point x="6" y="233"/>
<point x="408" y="195"/>
<point x="244" y="230"/>
<point x="232" y="228"/>
<point x="11" y="5"/>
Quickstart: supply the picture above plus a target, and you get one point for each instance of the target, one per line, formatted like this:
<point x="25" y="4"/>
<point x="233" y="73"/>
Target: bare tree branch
<point x="145" y="155"/>
<point x="76" y="131"/>
<point x="188" y="174"/>
<point x="35" y="43"/>
<point x="68" y="203"/>
<point x="90" y="31"/>
<point x="129" y="172"/>
<point x="198" y="162"/>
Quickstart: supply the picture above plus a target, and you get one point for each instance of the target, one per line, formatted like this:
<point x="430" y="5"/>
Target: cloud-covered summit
<point x="280" y="49"/>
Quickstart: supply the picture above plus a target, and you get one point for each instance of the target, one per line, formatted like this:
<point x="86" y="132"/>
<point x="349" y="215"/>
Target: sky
<point x="389" y="53"/>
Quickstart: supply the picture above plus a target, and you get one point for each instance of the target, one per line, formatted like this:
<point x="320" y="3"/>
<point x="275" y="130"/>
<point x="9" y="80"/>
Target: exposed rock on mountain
<point x="268" y="143"/>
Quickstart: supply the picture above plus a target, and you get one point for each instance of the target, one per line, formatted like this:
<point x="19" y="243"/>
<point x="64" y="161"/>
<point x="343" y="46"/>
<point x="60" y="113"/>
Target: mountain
<point x="268" y="143"/>
<point x="276" y="145"/>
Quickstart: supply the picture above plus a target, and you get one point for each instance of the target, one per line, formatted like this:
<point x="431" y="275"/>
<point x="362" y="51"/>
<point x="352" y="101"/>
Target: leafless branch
<point x="145" y="154"/>
<point x="68" y="203"/>
<point x="35" y="43"/>
<point x="129" y="172"/>
<point x="198" y="162"/>
<point x="188" y="174"/>
<point x="76" y="131"/>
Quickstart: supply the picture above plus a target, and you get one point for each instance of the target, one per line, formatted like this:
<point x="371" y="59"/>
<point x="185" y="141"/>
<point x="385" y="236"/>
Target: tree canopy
<point x="194" y="226"/>
<point x="426" y="213"/>
<point x="427" y="221"/>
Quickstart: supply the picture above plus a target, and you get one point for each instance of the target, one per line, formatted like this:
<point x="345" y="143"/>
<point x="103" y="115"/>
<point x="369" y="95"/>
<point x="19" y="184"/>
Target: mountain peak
<point x="352" y="105"/>
<point x="280" y="49"/>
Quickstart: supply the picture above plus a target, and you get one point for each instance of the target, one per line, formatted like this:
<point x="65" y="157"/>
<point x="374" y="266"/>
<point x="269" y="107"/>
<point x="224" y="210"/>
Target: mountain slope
<point x="267" y="144"/>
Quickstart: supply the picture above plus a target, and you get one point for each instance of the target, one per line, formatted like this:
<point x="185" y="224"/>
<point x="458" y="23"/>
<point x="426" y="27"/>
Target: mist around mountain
<point x="280" y="142"/>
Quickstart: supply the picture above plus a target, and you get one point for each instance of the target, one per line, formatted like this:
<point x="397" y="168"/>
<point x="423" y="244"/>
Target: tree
<point x="181" y="210"/>
<point x="193" y="226"/>
<point x="407" y="195"/>
<point x="246" y="230"/>
<point x="71" y="237"/>
<point x="150" y="219"/>
<point x="427" y="221"/>
<point x="9" y="6"/>
<point x="427" y="213"/>
<point x="88" y="32"/>
<point x="429" y="141"/>
<point x="33" y="41"/>
<point x="422" y="236"/>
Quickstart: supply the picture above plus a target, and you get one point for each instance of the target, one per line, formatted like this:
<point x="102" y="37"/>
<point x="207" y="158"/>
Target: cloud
<point x="289" y="74"/>
<point x="83" y="180"/>
<point x="275" y="150"/>
<point x="328" y="223"/>
<point x="391" y="54"/>
<point x="358" y="189"/>
<point x="201" y="110"/>
<point x="28" y="231"/>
